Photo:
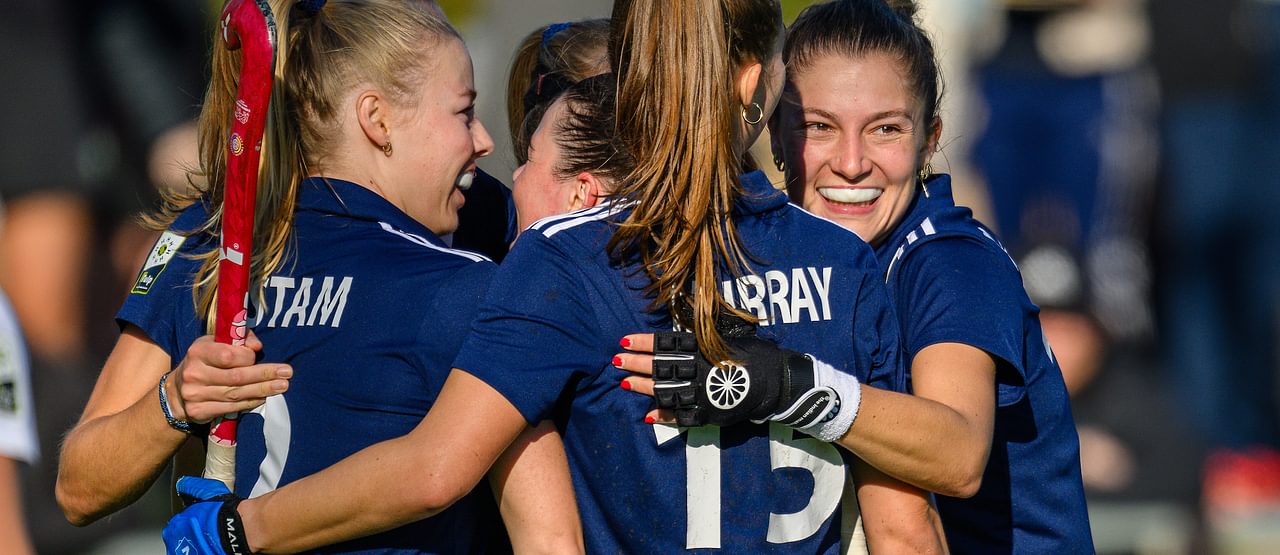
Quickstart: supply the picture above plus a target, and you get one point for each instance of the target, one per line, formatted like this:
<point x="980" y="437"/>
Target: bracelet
<point x="180" y="425"/>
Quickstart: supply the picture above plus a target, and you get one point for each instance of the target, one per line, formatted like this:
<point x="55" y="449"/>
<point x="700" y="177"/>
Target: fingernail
<point x="617" y="361"/>
<point x="625" y="342"/>
<point x="279" y="385"/>
<point x="284" y="372"/>
<point x="650" y="420"/>
<point x="626" y="385"/>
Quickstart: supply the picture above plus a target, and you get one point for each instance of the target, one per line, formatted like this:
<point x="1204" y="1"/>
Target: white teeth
<point x="849" y="196"/>
<point x="464" y="180"/>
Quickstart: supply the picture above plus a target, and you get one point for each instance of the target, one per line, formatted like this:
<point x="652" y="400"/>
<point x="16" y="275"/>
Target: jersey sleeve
<point x="957" y="290"/>
<point x="448" y="320"/>
<point x="536" y="333"/>
<point x="876" y="337"/>
<point x="17" y="415"/>
<point x="160" y="302"/>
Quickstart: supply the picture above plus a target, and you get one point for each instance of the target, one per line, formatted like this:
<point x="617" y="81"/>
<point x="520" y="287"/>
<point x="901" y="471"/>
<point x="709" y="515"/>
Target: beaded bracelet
<point x="180" y="425"/>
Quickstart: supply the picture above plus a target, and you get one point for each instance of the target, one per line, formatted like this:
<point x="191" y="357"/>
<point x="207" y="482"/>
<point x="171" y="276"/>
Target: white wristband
<point x="849" y="392"/>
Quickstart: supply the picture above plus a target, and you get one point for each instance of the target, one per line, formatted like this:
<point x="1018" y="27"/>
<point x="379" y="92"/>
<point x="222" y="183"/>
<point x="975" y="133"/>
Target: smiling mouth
<point x="465" y="180"/>
<point x="853" y="197"/>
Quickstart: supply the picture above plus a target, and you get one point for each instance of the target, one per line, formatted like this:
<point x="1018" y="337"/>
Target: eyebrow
<point x="470" y="93"/>
<point x="820" y="113"/>
<point x="892" y="113"/>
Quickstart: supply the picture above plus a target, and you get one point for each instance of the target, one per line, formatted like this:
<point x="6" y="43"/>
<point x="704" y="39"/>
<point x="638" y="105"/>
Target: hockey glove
<point x="771" y="383"/>
<point x="210" y="524"/>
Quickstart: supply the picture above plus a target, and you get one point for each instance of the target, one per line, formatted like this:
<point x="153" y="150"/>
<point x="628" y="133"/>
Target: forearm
<point x="13" y="531"/>
<point x="919" y="441"/>
<point x="535" y="494"/>
<point x="108" y="462"/>
<point x="896" y="517"/>
<point x="394" y="482"/>
<point x="379" y="488"/>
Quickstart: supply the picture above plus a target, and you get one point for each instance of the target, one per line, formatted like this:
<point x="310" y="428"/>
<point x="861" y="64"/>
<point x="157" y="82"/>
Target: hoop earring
<point x="386" y="149"/>
<point x="925" y="173"/>
<point x="779" y="163"/>
<point x="759" y="114"/>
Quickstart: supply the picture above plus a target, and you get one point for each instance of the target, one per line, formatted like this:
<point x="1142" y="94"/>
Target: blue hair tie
<point x="552" y="30"/>
<point x="311" y="7"/>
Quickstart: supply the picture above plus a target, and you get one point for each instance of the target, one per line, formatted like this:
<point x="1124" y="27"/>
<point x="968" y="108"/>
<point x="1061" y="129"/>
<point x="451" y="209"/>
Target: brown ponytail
<point x="677" y="115"/>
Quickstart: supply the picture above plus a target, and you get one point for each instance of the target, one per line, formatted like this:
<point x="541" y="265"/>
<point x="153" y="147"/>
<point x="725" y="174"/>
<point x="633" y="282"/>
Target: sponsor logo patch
<point x="164" y="251"/>
<point x="8" y="376"/>
<point x="237" y="144"/>
<point x="8" y="397"/>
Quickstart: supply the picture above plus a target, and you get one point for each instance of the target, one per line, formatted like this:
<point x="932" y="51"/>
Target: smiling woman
<point x="853" y="138"/>
<point x="990" y="418"/>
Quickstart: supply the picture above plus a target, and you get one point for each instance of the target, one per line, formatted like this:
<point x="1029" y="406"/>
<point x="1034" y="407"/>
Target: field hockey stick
<point x="249" y="26"/>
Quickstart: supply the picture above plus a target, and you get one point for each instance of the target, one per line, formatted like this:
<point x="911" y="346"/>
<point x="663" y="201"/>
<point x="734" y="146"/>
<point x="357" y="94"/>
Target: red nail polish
<point x="625" y="342"/>
<point x="617" y="361"/>
<point x="626" y="386"/>
<point x="650" y="420"/>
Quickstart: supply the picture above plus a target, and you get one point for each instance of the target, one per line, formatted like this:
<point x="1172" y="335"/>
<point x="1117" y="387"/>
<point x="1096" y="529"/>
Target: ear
<point x="372" y="111"/>
<point x="587" y="191"/>
<point x="747" y="81"/>
<point x="931" y="142"/>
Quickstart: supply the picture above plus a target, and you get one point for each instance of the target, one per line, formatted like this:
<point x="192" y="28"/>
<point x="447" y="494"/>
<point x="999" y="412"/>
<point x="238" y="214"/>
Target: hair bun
<point x="311" y="7"/>
<point x="905" y="8"/>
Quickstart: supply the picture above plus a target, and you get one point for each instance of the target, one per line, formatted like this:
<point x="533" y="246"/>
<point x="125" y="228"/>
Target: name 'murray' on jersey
<point x="306" y="301"/>
<point x="782" y="297"/>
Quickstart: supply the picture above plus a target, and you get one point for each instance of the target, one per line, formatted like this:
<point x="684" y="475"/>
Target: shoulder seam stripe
<point x="606" y="210"/>
<point x="538" y="225"/>
<point x="422" y="241"/>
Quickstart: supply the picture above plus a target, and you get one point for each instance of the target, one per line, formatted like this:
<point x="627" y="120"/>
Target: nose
<point x="481" y="140"/>
<point x="850" y="161"/>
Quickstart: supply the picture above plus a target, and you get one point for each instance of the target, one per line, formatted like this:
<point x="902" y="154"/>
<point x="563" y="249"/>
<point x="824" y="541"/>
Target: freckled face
<point x="851" y="135"/>
<point x="439" y="141"/>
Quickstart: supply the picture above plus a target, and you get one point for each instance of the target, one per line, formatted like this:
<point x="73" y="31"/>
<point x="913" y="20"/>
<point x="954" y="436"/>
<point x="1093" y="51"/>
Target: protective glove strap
<point x="231" y="530"/>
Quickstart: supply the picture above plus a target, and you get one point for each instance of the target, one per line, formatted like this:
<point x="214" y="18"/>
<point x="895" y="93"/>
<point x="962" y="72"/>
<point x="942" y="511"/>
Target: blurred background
<point x="1127" y="152"/>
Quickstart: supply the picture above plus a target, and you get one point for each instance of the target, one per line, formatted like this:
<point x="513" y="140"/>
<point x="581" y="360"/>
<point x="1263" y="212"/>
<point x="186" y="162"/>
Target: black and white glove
<point x="770" y="384"/>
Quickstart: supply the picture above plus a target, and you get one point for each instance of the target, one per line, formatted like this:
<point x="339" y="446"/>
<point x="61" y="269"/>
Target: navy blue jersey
<point x="952" y="282"/>
<point x="370" y="309"/>
<point x="487" y="221"/>
<point x="550" y="326"/>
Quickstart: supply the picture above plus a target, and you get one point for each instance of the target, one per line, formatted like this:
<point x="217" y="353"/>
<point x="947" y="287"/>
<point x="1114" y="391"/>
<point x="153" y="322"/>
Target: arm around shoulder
<point x="394" y="482"/>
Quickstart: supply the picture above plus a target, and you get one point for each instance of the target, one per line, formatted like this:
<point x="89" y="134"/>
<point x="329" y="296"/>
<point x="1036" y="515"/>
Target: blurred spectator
<point x="98" y="97"/>
<point x="1218" y="235"/>
<point x="962" y="31"/>
<point x="1069" y="155"/>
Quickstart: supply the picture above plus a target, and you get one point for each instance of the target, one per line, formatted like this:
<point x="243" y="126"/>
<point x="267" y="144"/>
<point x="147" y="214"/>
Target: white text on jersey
<point x="291" y="302"/>
<point x="780" y="297"/>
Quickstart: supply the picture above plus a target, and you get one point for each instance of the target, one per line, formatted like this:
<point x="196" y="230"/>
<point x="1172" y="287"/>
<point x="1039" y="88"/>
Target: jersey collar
<point x="337" y="197"/>
<point x="939" y="186"/>
<point x="759" y="195"/>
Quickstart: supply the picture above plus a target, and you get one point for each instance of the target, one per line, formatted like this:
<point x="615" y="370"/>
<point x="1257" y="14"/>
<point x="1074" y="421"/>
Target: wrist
<point x="173" y="413"/>
<point x="253" y="535"/>
<point x="837" y="420"/>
